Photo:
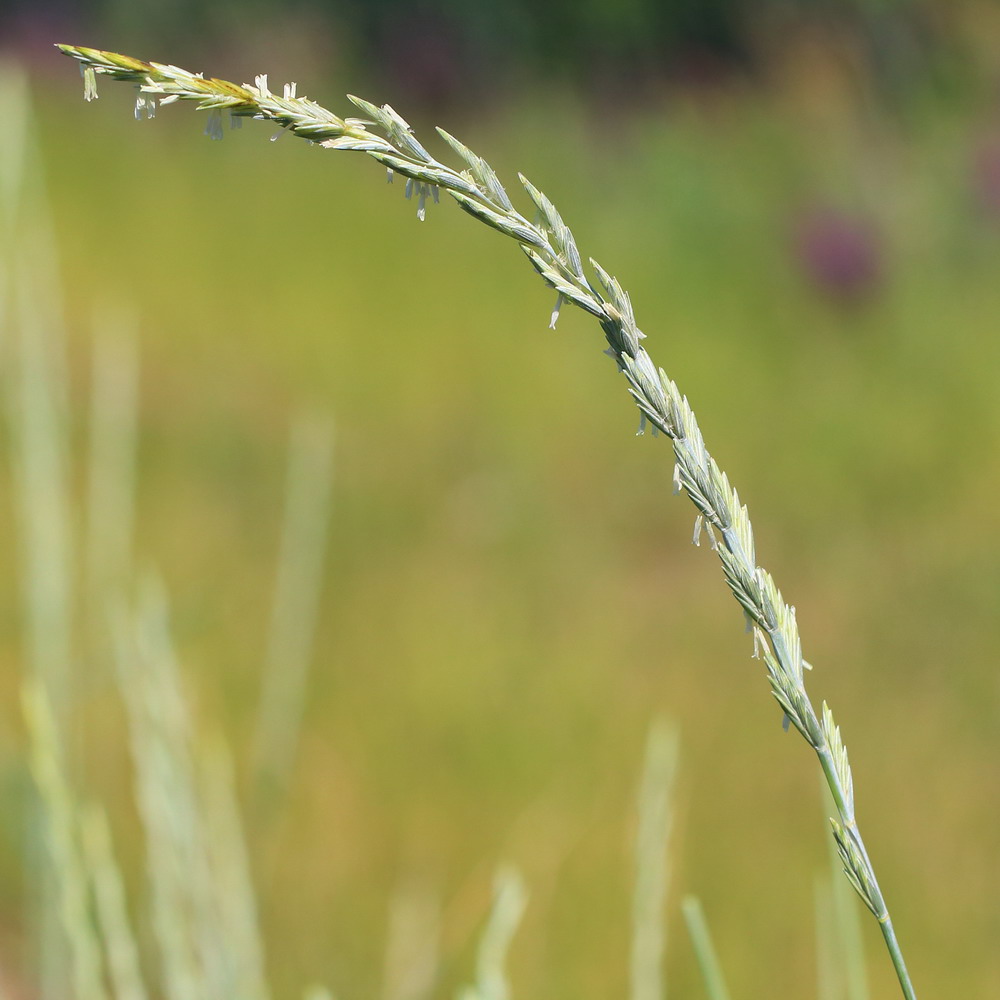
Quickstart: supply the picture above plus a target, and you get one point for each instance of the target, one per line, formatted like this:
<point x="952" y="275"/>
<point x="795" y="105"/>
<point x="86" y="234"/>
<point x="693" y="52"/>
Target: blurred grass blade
<point x="203" y="909"/>
<point x="34" y="384"/>
<point x="296" y="599"/>
<point x="509" y="901"/>
<point x="230" y="868"/>
<point x="847" y="915"/>
<point x="412" y="944"/>
<point x="846" y="940"/>
<point x="119" y="941"/>
<point x="317" y="993"/>
<point x="111" y="471"/>
<point x="652" y="866"/>
<point x="61" y="838"/>
<point x="13" y="154"/>
<point x="829" y="974"/>
<point x="37" y="419"/>
<point x="708" y="962"/>
<point x="158" y="730"/>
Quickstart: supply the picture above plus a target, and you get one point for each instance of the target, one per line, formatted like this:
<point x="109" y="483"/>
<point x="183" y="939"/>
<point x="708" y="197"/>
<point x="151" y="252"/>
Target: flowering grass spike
<point x="549" y="244"/>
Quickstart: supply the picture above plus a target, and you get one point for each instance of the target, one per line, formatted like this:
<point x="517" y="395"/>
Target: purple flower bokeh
<point x="840" y="253"/>
<point x="986" y="178"/>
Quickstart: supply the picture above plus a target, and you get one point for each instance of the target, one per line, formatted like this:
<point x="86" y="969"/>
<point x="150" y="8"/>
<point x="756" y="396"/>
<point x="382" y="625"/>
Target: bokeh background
<point x="803" y="199"/>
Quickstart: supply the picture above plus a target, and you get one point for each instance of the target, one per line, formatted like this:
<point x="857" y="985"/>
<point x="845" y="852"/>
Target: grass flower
<point x="551" y="249"/>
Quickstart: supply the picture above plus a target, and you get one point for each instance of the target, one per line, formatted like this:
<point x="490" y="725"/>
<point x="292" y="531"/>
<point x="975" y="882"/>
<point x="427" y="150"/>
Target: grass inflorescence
<point x="552" y="250"/>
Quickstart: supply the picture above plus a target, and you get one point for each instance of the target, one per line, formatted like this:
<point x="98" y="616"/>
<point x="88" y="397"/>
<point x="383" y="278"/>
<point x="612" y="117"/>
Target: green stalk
<point x="704" y="950"/>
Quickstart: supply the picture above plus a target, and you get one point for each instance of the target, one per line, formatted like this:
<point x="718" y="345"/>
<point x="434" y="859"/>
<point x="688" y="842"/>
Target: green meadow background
<point x="510" y="595"/>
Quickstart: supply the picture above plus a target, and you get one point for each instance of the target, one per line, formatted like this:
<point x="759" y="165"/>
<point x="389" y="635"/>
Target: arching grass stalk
<point x="549" y="245"/>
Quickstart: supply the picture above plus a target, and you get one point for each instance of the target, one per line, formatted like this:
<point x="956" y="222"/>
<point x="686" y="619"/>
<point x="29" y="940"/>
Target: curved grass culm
<point x="550" y="247"/>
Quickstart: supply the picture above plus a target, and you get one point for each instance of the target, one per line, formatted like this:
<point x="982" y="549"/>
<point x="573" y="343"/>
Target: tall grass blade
<point x="852" y="955"/>
<point x="184" y="926"/>
<point x="120" y="947"/>
<point x="847" y="940"/>
<point x="317" y="993"/>
<point x="704" y="950"/>
<point x="829" y="973"/>
<point x="509" y="901"/>
<point x="34" y="386"/>
<point x="652" y="863"/>
<point x="296" y="599"/>
<point x="412" y="943"/>
<point x="13" y="150"/>
<point x="203" y="909"/>
<point x="111" y="466"/>
<point x="61" y="839"/>
<point x="230" y="868"/>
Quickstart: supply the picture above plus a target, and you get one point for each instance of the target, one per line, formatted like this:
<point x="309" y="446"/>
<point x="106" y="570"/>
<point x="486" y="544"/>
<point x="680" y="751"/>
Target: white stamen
<point x="213" y="127"/>
<point x="699" y="524"/>
<point x="89" y="82"/>
<point x="409" y="188"/>
<point x="289" y="91"/>
<point x="677" y="478"/>
<point x="422" y="202"/>
<point x="641" y="429"/>
<point x="145" y="104"/>
<point x="555" y="311"/>
<point x="235" y="121"/>
<point x="712" y="540"/>
<point x="388" y="175"/>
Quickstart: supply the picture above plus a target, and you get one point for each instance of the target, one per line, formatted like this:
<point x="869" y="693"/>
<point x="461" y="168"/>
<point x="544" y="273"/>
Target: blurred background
<point x="483" y="591"/>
